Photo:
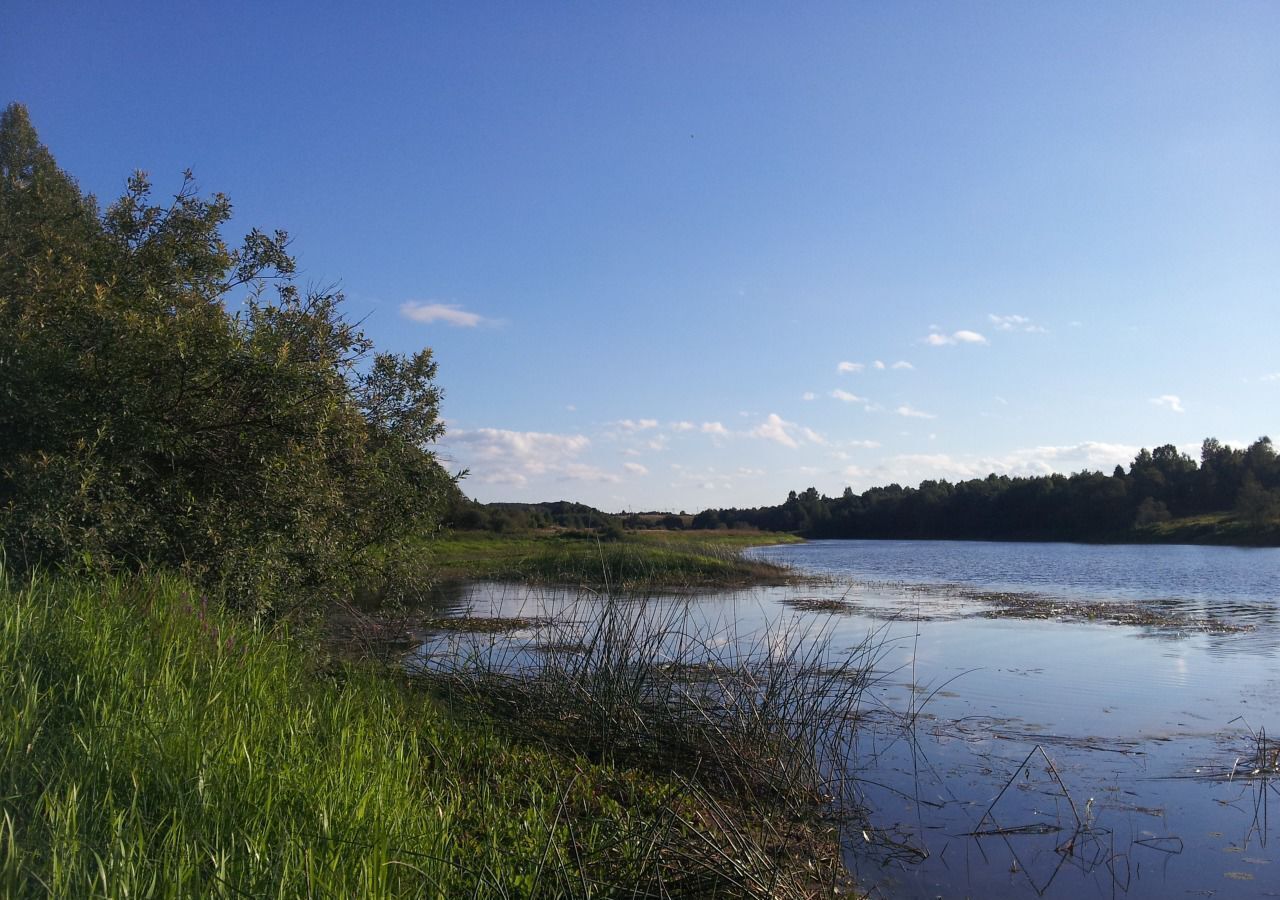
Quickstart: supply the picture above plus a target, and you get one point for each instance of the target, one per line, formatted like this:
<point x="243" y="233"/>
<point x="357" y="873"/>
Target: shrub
<point x="266" y="450"/>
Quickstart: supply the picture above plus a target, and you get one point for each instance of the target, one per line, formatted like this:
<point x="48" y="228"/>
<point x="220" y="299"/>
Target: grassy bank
<point x="152" y="746"/>
<point x="1212" y="528"/>
<point x="646" y="559"/>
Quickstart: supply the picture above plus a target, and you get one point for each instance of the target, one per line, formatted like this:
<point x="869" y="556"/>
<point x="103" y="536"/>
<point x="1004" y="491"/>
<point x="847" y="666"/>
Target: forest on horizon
<point x="1160" y="486"/>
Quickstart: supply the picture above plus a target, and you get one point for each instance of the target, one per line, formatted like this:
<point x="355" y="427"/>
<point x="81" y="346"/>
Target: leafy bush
<point x="266" y="450"/>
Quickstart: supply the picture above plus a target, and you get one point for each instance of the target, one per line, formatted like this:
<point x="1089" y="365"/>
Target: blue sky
<point x="676" y="255"/>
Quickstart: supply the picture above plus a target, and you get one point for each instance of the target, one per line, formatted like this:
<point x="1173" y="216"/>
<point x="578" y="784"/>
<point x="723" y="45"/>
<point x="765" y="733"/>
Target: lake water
<point x="1054" y="748"/>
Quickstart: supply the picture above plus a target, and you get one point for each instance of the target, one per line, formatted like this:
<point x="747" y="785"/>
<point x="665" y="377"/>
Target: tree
<point x="1255" y="504"/>
<point x="266" y="451"/>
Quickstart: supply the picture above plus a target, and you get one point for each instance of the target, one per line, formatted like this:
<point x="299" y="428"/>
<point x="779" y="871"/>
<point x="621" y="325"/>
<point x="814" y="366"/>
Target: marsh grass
<point x="762" y="726"/>
<point x="637" y="561"/>
<point x="151" y="745"/>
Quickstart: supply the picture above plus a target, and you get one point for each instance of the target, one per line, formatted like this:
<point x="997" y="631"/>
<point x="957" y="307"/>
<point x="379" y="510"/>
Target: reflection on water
<point x="1028" y="757"/>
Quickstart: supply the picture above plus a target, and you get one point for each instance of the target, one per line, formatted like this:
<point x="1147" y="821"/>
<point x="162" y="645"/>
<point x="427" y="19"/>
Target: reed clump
<point x="761" y="728"/>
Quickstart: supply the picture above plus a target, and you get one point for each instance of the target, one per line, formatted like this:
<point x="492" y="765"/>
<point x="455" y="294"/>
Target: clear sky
<point x="679" y="255"/>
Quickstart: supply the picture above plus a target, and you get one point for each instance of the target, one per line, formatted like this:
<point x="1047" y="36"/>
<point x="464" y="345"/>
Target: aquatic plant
<point x="761" y="727"/>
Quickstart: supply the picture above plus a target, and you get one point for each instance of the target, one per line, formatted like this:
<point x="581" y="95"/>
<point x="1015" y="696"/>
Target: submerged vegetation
<point x="761" y="725"/>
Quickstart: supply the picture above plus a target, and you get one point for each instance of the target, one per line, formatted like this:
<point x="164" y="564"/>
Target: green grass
<point x="1211" y="528"/>
<point x="151" y="746"/>
<point x="646" y="559"/>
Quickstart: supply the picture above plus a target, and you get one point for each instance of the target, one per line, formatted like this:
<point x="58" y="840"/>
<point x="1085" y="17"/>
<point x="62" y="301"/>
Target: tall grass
<point x="762" y="725"/>
<point x="151" y="746"/>
<point x="635" y="562"/>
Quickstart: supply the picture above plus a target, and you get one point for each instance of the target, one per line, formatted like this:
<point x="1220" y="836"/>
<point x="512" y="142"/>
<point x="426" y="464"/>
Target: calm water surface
<point x="1128" y="730"/>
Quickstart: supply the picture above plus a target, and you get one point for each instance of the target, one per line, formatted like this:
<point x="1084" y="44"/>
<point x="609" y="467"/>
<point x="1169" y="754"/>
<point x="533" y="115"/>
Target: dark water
<point x="1039" y="756"/>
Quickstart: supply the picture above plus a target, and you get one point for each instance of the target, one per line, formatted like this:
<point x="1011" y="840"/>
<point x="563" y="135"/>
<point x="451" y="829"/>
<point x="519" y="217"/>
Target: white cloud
<point x="637" y="425"/>
<point x="845" y="368"/>
<point x="911" y="469"/>
<point x="635" y="468"/>
<point x="714" y="428"/>
<point x="964" y="336"/>
<point x="1274" y="376"/>
<point x="584" y="472"/>
<point x="788" y="434"/>
<point x="912" y="413"/>
<point x="774" y="429"/>
<point x="1170" y="402"/>
<point x="499" y="456"/>
<point x="808" y="395"/>
<point x="902" y="364"/>
<point x="450" y="313"/>
<point x="658" y="443"/>
<point x="1015" y="323"/>
<point x="879" y="364"/>
<point x="847" y="397"/>
<point x="864" y="445"/>
<point x="682" y="426"/>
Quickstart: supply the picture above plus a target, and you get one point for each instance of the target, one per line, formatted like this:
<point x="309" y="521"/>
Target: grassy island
<point x="642" y="559"/>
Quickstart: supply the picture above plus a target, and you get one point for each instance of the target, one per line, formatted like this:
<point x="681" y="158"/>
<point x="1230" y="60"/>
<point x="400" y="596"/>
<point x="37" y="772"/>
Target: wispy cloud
<point x="449" y="313"/>
<point x="812" y="436"/>
<point x="682" y="426"/>
<point x="635" y="468"/>
<point x="863" y="445"/>
<point x="808" y="395"/>
<point x="913" y="413"/>
<point x="714" y="428"/>
<point x="1274" y="376"/>
<point x="1171" y="402"/>
<point x="878" y="364"/>
<point x="847" y="397"/>
<point x="633" y="425"/>
<point x="846" y="368"/>
<point x="788" y="434"/>
<point x="963" y="336"/>
<point x="499" y="456"/>
<point x="902" y="364"/>
<point x="1015" y="323"/>
<point x="912" y="468"/>
<point x="584" y="472"/>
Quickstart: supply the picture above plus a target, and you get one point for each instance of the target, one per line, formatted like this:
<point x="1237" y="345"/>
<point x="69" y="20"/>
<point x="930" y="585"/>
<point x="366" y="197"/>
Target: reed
<point x="761" y="726"/>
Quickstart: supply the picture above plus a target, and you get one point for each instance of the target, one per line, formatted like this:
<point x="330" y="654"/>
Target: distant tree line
<point x="1160" y="484"/>
<point x="469" y="515"/>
